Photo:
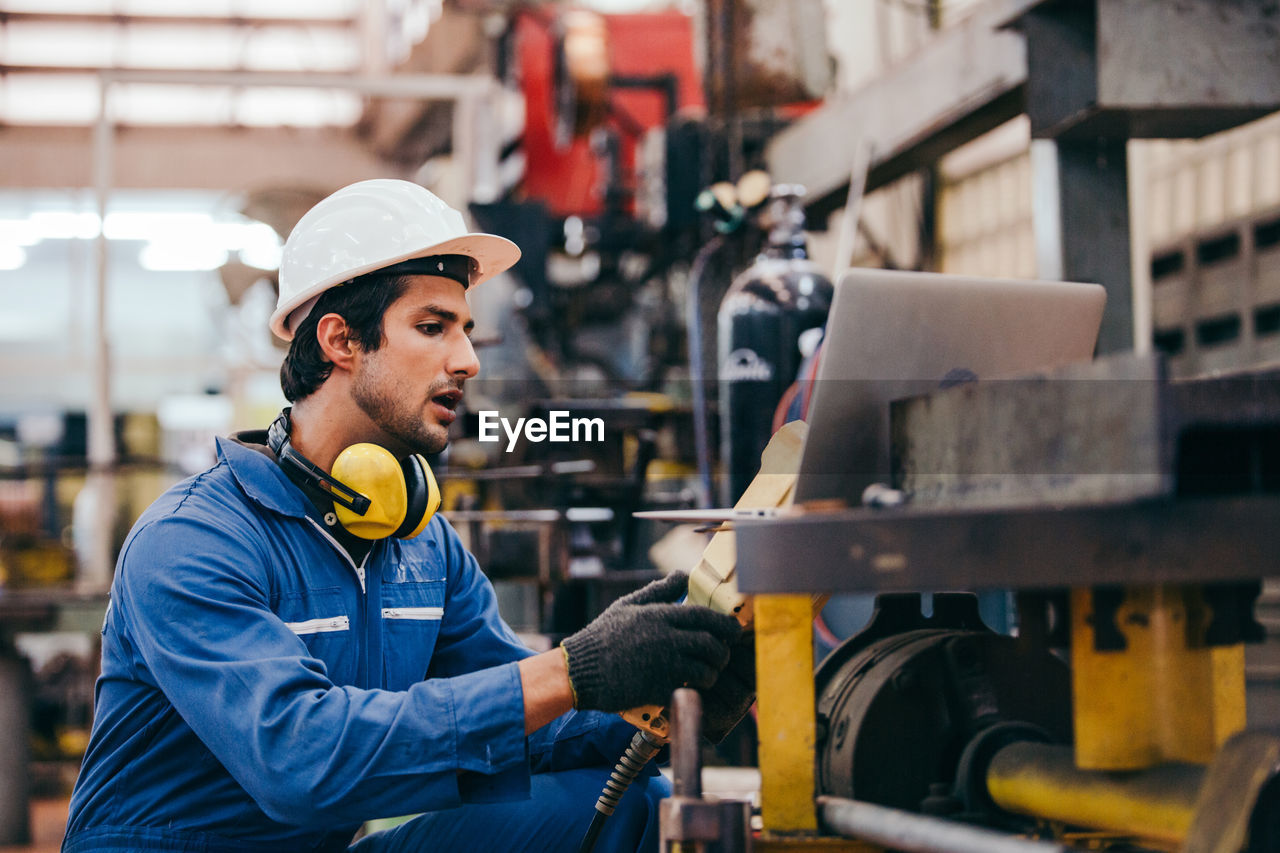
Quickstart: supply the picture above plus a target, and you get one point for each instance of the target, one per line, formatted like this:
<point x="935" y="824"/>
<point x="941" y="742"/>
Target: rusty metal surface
<point x="1104" y="69"/>
<point x="913" y="549"/>
<point x="779" y="54"/>
<point x="1088" y="433"/>
<point x="1110" y="430"/>
<point x="686" y="817"/>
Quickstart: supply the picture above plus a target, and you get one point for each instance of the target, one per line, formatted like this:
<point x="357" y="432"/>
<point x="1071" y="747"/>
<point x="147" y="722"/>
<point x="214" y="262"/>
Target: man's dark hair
<point x="361" y="302"/>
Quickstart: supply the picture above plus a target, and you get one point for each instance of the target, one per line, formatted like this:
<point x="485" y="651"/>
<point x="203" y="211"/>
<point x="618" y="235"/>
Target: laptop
<point x="894" y="334"/>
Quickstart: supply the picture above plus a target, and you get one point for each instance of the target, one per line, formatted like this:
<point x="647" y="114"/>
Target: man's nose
<point x="463" y="362"/>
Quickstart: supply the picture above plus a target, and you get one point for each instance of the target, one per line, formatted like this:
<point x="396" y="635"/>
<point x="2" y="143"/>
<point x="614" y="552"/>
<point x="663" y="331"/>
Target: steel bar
<point x="1092" y="232"/>
<point x="866" y="550"/>
<point x="914" y="833"/>
<point x="1041" y="780"/>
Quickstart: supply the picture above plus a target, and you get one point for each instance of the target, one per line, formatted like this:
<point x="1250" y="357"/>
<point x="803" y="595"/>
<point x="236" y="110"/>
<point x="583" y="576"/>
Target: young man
<point x="281" y="663"/>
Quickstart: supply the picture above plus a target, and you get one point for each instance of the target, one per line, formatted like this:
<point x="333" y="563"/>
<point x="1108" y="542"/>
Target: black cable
<point x="639" y="752"/>
<point x="593" y="832"/>
<point x="697" y="371"/>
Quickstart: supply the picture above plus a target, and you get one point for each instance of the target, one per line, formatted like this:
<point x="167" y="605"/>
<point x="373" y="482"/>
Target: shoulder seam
<point x="195" y="481"/>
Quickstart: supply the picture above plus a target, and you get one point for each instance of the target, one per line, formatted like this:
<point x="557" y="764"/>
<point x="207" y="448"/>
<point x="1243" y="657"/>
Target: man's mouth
<point x="448" y="399"/>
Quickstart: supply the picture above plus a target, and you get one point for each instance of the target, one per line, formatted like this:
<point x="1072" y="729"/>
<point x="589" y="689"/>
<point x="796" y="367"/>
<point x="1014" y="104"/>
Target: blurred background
<point x="644" y="153"/>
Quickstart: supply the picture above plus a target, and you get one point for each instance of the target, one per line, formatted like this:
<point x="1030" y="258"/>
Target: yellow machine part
<point x="1164" y="697"/>
<point x="784" y="690"/>
<point x="1042" y="780"/>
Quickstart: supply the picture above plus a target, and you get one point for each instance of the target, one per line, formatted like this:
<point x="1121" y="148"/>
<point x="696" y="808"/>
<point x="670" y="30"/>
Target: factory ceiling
<point x="171" y="133"/>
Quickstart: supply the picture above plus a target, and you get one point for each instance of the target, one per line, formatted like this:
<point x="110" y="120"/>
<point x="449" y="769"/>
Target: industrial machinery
<point x="1133" y="521"/>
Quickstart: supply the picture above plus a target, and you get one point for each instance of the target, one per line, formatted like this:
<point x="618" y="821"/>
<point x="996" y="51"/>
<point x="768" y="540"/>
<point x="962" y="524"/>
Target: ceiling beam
<point x="171" y="20"/>
<point x="968" y="79"/>
<point x="413" y="130"/>
<point x="232" y="159"/>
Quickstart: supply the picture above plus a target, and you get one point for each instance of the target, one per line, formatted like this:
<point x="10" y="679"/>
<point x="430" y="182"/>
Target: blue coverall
<point x="260" y="691"/>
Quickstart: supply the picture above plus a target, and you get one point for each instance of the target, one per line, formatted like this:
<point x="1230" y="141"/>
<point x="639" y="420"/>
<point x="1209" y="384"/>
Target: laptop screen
<point x="892" y="335"/>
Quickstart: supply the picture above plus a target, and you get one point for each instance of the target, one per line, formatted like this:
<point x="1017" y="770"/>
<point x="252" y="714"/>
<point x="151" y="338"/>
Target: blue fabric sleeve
<point x="472" y="634"/>
<point x="192" y="597"/>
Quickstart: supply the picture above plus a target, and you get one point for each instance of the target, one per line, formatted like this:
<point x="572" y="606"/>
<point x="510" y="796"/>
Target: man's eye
<point x="431" y="328"/>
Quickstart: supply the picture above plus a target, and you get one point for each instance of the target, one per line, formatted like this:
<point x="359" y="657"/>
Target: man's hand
<point x="727" y="701"/>
<point x="645" y="645"/>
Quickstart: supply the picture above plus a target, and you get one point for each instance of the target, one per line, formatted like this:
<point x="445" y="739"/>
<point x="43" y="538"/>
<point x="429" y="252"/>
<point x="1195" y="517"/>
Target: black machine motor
<point x="768" y="314"/>
<point x="911" y="710"/>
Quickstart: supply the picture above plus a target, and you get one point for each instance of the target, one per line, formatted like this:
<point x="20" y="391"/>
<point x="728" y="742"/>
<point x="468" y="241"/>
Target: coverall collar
<point x="262" y="479"/>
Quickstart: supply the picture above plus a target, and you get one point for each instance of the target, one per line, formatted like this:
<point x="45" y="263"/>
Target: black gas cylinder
<point x="774" y="308"/>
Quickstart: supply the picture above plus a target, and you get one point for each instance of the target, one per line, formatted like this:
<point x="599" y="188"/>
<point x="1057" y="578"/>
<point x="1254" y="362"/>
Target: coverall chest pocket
<point x="320" y="619"/>
<point x="411" y="614"/>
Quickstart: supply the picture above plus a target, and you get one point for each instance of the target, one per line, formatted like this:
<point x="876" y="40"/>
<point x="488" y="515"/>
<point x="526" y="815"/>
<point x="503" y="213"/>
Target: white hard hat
<point x="369" y="225"/>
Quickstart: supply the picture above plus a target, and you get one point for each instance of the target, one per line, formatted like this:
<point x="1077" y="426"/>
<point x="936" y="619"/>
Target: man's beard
<point x="403" y="424"/>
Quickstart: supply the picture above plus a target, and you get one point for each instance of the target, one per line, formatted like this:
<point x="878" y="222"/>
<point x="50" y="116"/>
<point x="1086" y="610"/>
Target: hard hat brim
<point x="492" y="254"/>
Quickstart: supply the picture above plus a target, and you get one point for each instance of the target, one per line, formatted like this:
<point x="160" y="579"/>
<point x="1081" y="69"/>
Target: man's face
<point x="411" y="385"/>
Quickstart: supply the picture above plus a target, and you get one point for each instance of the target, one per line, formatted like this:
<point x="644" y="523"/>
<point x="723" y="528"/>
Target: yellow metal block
<point x="1165" y="697"/>
<point x="784" y="684"/>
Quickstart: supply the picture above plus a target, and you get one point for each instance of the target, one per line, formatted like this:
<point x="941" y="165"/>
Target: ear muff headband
<point x="375" y="495"/>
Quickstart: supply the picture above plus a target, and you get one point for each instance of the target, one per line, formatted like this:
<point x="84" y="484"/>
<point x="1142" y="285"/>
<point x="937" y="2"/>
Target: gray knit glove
<point x="644" y="646"/>
<point x="726" y="702"/>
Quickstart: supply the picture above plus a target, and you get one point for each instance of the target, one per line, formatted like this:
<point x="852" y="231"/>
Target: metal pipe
<point x="686" y="752"/>
<point x="94" y="572"/>
<point x="914" y="833"/>
<point x="101" y="446"/>
<point x="1042" y="780"/>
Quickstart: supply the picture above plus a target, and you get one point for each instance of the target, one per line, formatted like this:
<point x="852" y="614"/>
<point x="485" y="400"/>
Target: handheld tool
<point x="711" y="584"/>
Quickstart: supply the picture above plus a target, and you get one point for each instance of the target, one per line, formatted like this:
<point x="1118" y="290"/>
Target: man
<point x="281" y="663"/>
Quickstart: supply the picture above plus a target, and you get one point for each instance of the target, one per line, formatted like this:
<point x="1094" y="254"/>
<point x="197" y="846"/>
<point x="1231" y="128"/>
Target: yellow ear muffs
<point x="402" y="497"/>
<point x="424" y="496"/>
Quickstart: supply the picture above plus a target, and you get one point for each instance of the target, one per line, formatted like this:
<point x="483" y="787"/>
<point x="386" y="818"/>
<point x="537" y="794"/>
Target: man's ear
<point x="334" y="337"/>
